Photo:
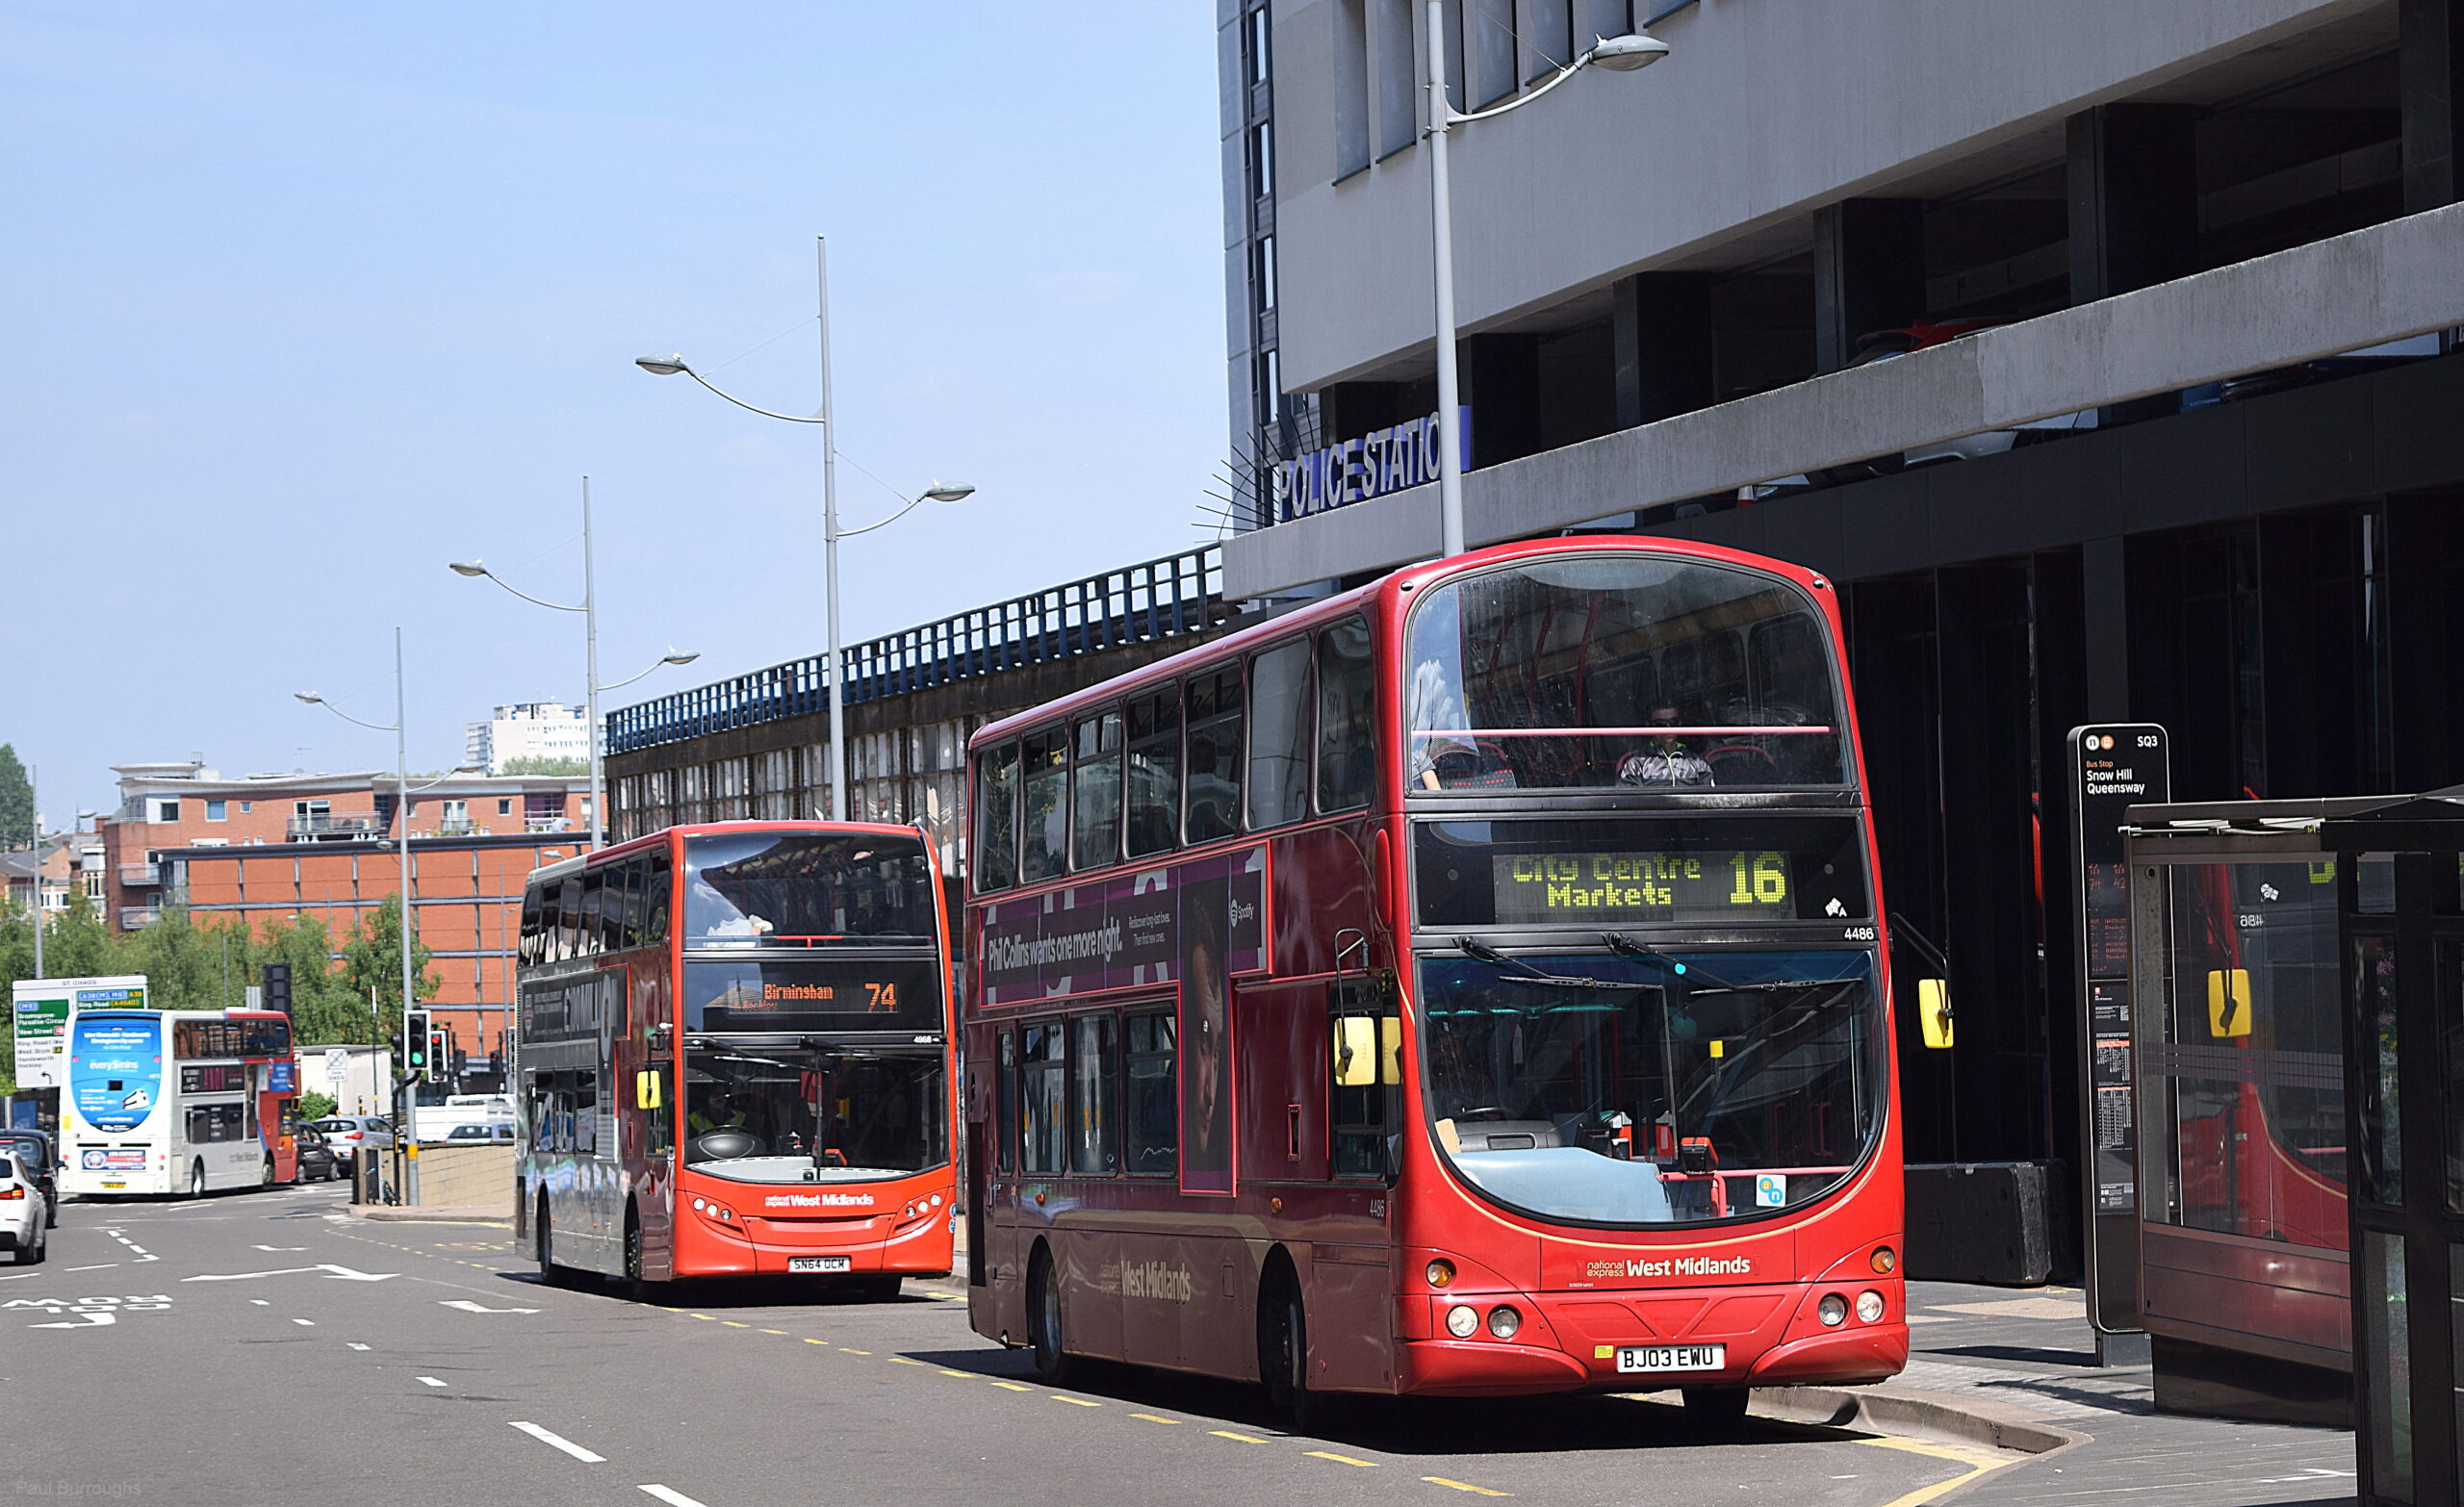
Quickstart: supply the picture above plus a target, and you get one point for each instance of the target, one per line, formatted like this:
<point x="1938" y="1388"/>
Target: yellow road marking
<point x="1154" y="1418"/>
<point x="1079" y="1402"/>
<point x="1326" y="1455"/>
<point x="1246" y="1438"/>
<point x="1464" y="1486"/>
<point x="961" y="1375"/>
<point x="774" y="1330"/>
<point x="732" y="1324"/>
<point x="712" y="1318"/>
<point x="899" y="1359"/>
<point x="852" y="1351"/>
<point x="1013" y="1386"/>
<point x="1978" y="1464"/>
<point x="808" y="1340"/>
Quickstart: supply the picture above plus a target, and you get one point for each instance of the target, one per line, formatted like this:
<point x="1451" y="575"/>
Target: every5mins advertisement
<point x="116" y="1069"/>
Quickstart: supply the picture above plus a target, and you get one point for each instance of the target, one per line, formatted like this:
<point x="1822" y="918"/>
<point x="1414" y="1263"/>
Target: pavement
<point x="276" y="1348"/>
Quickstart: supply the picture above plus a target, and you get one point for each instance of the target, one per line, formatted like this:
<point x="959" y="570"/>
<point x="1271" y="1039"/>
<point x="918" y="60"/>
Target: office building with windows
<point x="2099" y="352"/>
<point x="526" y="730"/>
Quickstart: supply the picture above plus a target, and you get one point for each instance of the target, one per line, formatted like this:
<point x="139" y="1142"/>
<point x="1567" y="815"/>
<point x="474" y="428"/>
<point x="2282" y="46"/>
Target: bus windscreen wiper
<point x="1483" y="953"/>
<point x="1624" y="946"/>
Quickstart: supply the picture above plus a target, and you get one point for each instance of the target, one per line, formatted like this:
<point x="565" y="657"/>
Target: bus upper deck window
<point x="1213" y="764"/>
<point x="996" y="817"/>
<point x="1347" y="708"/>
<point x="1043" y="838"/>
<point x="1279" y="735"/>
<point x="1154" y="778"/>
<point x="1094" y="792"/>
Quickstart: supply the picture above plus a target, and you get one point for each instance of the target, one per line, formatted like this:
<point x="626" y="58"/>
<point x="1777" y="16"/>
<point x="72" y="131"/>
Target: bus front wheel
<point x="269" y="1172"/>
<point x="1053" y="1363"/>
<point x="1722" y="1406"/>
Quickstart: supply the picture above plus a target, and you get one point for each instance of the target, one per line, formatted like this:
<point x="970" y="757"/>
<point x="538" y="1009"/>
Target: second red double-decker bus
<point x="734" y="1057"/>
<point x="1470" y="984"/>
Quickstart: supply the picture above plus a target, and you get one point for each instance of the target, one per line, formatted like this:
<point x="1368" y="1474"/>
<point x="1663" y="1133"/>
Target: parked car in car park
<point x="23" y="1223"/>
<point x="351" y="1134"/>
<point x="38" y="1163"/>
<point x="317" y="1161"/>
<point x="495" y="1134"/>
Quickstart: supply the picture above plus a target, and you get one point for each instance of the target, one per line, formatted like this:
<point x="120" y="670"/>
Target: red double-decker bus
<point x="1470" y="984"/>
<point x="732" y="1056"/>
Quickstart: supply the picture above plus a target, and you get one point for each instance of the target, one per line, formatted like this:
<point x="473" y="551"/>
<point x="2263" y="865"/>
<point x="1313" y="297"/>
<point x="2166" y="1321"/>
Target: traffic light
<point x="277" y="979"/>
<point x="440" y="1055"/>
<point x="416" y="1044"/>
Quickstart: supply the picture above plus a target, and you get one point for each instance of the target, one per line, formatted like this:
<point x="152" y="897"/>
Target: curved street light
<point x="589" y="610"/>
<point x="1619" y="55"/>
<point x="676" y="364"/>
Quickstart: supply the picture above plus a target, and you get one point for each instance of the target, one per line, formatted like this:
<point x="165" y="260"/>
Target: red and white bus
<point x="1470" y="984"/>
<point x="169" y="1102"/>
<point x="732" y="1056"/>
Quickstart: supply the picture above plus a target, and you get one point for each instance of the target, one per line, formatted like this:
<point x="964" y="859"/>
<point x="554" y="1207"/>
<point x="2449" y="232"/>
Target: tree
<point x="16" y="802"/>
<point x="541" y="764"/>
<point x="77" y="945"/>
<point x="372" y="963"/>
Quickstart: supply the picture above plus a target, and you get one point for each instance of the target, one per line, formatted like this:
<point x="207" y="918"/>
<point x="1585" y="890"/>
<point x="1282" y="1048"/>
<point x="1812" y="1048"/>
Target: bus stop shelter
<point x="2403" y="962"/>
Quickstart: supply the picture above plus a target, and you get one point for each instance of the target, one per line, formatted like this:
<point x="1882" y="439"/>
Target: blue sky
<point x="306" y="300"/>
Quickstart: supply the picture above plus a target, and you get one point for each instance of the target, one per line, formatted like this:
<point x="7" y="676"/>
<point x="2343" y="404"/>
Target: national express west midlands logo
<point x="1677" y="1267"/>
<point x="1153" y="1279"/>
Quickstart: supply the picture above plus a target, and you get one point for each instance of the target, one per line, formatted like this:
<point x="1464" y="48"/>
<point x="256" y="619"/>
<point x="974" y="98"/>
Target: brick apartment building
<point x="268" y="847"/>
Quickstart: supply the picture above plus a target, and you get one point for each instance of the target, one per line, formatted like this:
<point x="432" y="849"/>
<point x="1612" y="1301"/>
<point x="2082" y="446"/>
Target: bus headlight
<point x="1503" y="1322"/>
<point x="1461" y="1321"/>
<point x="1869" y="1307"/>
<point x="1834" y="1311"/>
<point x="1440" y="1274"/>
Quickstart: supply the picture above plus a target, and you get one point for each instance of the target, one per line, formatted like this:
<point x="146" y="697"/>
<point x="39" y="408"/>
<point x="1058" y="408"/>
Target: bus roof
<point x="1408" y="577"/>
<point x="682" y="830"/>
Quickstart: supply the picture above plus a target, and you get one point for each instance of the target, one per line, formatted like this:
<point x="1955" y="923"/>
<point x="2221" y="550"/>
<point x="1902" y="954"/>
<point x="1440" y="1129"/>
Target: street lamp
<point x="589" y="610"/>
<point x="1617" y="54"/>
<point x="831" y="533"/>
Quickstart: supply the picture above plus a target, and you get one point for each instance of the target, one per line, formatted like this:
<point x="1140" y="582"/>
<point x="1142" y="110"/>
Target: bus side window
<point x="623" y="905"/>
<point x="551" y="925"/>
<point x="1279" y="735"/>
<point x="1213" y="789"/>
<point x="1154" y="772"/>
<point x="1365" y="1077"/>
<point x="1094" y="793"/>
<point x="1347" y="710"/>
<point x="585" y="1112"/>
<point x="1043" y="841"/>
<point x="1095" y="1096"/>
<point x="1005" y="1090"/>
<point x="594" y="898"/>
<point x="996" y="817"/>
<point x="655" y="900"/>
<point x="569" y="921"/>
<point x="1043" y="1147"/>
<point x="543" y="1110"/>
<point x="528" y="953"/>
<point x="1153" y="1118"/>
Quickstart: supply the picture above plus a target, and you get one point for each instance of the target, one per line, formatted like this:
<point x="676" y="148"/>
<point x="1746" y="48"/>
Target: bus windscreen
<point x="769" y="886"/>
<point x="1620" y="671"/>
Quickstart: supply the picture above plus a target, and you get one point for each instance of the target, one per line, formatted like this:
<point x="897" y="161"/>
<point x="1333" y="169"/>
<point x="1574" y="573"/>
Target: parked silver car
<point x="351" y="1134"/>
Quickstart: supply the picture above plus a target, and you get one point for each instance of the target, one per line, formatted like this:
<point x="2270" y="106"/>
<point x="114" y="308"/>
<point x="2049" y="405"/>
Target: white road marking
<point x="429" y="1381"/>
<point x="309" y="1324"/>
<point x="670" y="1496"/>
<point x="281" y="1247"/>
<point x="356" y="1345"/>
<point x="262" y="1302"/>
<point x="81" y="1321"/>
<point x="562" y="1442"/>
<point x="98" y="1266"/>
<point x="331" y="1272"/>
<point x="469" y="1306"/>
<point x="134" y="1249"/>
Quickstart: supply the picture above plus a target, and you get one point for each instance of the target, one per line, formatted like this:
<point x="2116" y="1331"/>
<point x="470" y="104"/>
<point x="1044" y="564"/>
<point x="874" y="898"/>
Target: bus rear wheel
<point x="547" y="1245"/>
<point x="197" y="1179"/>
<point x="1056" y="1366"/>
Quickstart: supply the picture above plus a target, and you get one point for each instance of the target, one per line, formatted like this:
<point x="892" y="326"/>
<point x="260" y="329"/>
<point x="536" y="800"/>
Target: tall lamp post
<point x="1617" y="54"/>
<point x="589" y="610"/>
<point x="402" y="827"/>
<point x="831" y="533"/>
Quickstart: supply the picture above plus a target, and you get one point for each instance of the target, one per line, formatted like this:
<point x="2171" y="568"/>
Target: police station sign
<point x="1355" y="471"/>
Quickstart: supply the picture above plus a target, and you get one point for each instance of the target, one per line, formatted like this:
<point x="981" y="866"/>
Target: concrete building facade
<point x="2098" y="351"/>
<point x="526" y="730"/>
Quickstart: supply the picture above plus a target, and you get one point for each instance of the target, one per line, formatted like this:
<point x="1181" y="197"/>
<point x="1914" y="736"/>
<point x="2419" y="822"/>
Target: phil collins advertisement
<point x="1206" y="1025"/>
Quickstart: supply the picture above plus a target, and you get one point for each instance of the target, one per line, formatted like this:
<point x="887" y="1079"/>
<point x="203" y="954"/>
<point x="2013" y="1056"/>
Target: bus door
<point x="646" y="1110"/>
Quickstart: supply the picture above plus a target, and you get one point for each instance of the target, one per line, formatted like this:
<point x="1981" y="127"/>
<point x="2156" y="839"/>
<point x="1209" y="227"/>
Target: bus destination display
<point x="1701" y="885"/>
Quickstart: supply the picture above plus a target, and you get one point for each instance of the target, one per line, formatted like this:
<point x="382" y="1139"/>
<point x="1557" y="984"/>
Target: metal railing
<point x="131" y="917"/>
<point x="141" y="874"/>
<point x="1136" y="603"/>
<point x="315" y="826"/>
